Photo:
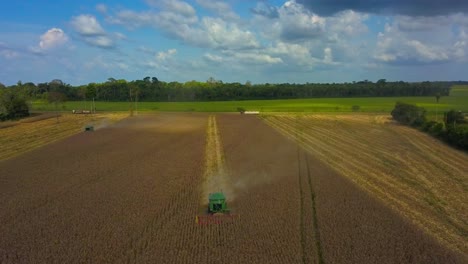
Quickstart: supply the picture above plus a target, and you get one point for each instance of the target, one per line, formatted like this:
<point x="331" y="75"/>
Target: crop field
<point x="130" y="193"/>
<point x="457" y="100"/>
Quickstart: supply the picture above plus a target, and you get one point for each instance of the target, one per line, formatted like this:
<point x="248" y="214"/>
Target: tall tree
<point x="58" y="99"/>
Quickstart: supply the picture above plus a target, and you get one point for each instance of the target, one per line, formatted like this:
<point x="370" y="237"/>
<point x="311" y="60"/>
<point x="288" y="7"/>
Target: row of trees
<point x="453" y="129"/>
<point x="151" y="89"/>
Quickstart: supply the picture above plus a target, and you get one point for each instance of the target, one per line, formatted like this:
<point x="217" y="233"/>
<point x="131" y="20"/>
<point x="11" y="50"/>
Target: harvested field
<point x="415" y="174"/>
<point x="33" y="132"/>
<point x="128" y="193"/>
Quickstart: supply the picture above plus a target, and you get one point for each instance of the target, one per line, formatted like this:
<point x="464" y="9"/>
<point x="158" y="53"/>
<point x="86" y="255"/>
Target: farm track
<point x="405" y="169"/>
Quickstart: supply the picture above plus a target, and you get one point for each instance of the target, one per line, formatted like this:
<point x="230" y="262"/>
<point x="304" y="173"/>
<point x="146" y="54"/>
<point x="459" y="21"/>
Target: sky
<point x="262" y="41"/>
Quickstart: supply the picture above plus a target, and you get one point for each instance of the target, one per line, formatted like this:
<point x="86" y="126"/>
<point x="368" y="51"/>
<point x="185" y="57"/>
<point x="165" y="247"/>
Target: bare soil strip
<point x="416" y="175"/>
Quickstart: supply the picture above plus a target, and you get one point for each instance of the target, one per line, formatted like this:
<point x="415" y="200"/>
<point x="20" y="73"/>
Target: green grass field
<point x="457" y="100"/>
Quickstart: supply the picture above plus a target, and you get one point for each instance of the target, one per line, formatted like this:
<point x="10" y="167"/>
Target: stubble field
<point x="129" y="193"/>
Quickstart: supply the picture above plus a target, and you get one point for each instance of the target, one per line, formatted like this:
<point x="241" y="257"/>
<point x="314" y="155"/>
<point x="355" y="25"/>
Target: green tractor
<point x="217" y="203"/>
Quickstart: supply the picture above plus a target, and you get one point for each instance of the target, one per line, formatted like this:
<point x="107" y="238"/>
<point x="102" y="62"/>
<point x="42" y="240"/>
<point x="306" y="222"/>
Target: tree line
<point x="453" y="129"/>
<point x="152" y="89"/>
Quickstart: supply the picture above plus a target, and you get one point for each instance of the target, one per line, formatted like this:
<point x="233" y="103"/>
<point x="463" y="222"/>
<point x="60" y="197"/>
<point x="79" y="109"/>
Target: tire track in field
<point x="301" y="195"/>
<point x="215" y="176"/>
<point x="308" y="205"/>
<point x="318" y="242"/>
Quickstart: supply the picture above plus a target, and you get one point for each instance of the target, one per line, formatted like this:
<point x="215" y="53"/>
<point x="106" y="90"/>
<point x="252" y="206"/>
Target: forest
<point x="151" y="89"/>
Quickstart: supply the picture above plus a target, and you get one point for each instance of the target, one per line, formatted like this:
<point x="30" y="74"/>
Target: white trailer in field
<point x="251" y="112"/>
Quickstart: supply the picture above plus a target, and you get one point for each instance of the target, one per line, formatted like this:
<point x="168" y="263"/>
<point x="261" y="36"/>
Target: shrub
<point x="437" y="129"/>
<point x="454" y="117"/>
<point x="428" y="126"/>
<point x="458" y="136"/>
<point x="409" y="114"/>
<point x="241" y="110"/>
<point x="355" y="108"/>
<point x="13" y="105"/>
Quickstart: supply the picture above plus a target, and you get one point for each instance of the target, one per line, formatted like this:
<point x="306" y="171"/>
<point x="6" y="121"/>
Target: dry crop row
<point x="215" y="178"/>
<point x="418" y="176"/>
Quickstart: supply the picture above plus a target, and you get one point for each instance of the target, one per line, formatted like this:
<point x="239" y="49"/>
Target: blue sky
<point x="293" y="41"/>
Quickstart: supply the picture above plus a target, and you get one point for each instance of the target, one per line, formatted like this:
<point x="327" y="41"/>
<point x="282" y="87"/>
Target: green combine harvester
<point x="218" y="211"/>
<point x="217" y="203"/>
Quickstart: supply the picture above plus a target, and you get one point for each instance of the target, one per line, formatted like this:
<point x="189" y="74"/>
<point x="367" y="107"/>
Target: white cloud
<point x="101" y="8"/>
<point x="292" y="53"/>
<point x="52" y="38"/>
<point x="8" y="54"/>
<point x="304" y="40"/>
<point x="109" y="64"/>
<point x="220" y="8"/>
<point x="164" y="55"/>
<point x="409" y="24"/>
<point x="208" y="32"/>
<point x="163" y="60"/>
<point x="412" y="42"/>
<point x="93" y="33"/>
<point x="217" y="33"/>
<point x="119" y="35"/>
<point x="176" y="6"/>
<point x="100" y="41"/>
<point x="327" y="55"/>
<point x="213" y="58"/>
<point x="256" y="58"/>
<point x="461" y="46"/>
<point x="87" y="25"/>
<point x="297" y="23"/>
<point x="348" y="22"/>
<point x="146" y="50"/>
